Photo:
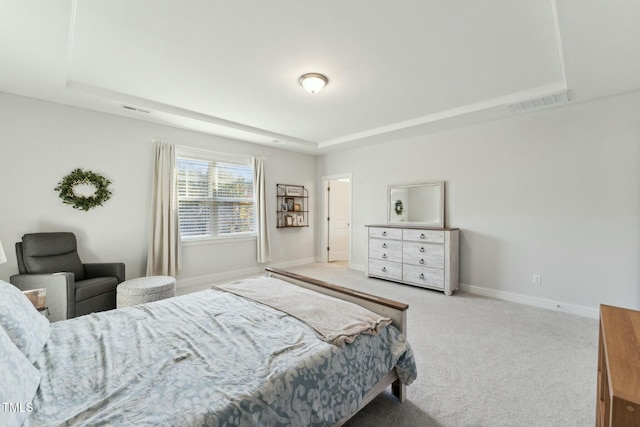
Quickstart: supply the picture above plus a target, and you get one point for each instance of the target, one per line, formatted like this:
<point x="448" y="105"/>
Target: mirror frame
<point x="439" y="223"/>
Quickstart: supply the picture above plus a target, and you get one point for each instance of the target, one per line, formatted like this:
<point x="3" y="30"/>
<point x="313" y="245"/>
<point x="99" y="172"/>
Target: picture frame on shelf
<point x="289" y="221"/>
<point x="291" y="190"/>
<point x="296" y="207"/>
<point x="289" y="202"/>
<point x="294" y="220"/>
<point x="301" y="221"/>
<point x="280" y="222"/>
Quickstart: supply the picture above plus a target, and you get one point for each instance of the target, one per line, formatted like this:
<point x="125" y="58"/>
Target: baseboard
<point x="218" y="278"/>
<point x="533" y="301"/>
<point x="294" y="263"/>
<point x="357" y="267"/>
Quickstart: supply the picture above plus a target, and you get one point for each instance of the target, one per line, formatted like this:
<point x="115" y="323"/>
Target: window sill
<point x="218" y="240"/>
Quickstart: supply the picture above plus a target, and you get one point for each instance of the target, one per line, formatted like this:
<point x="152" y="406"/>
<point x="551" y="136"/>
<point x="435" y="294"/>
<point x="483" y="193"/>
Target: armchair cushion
<point x="28" y="329"/>
<point x="104" y="269"/>
<point x="52" y="253"/>
<point x="91" y="287"/>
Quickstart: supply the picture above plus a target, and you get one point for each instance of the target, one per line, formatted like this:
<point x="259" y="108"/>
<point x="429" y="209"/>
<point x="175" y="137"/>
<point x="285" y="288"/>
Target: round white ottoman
<point x="144" y="289"/>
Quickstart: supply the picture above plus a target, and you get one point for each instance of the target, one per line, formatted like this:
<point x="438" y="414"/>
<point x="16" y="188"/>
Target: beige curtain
<point x="262" y="223"/>
<point x="164" y="257"/>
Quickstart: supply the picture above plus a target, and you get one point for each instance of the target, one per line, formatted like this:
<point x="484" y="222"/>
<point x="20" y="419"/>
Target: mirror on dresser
<point x="419" y="204"/>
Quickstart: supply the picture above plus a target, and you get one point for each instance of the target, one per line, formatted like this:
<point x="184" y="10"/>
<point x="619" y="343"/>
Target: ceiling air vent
<point x="541" y="102"/>
<point x="140" y="110"/>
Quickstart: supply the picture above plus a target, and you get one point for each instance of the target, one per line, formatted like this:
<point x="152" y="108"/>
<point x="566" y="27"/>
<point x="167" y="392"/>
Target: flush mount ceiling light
<point x="313" y="82"/>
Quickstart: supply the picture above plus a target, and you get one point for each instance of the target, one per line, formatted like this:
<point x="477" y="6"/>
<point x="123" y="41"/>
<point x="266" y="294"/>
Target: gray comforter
<point x="209" y="358"/>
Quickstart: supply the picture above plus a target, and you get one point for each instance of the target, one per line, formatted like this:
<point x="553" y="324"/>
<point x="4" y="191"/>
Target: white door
<point x="338" y="220"/>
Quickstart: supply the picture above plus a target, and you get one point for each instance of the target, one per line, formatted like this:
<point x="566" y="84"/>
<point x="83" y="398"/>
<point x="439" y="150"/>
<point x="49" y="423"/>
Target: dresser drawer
<point x="431" y="236"/>
<point x="425" y="257"/>
<point x="387" y="250"/>
<point x="385" y="233"/>
<point x="423" y="276"/>
<point x="385" y="269"/>
<point x="423" y="254"/>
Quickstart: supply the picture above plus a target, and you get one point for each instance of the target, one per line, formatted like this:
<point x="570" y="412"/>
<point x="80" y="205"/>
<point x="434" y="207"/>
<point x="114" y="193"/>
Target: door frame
<point x="325" y="213"/>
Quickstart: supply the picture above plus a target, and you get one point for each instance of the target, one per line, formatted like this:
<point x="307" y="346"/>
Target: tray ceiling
<point x="395" y="69"/>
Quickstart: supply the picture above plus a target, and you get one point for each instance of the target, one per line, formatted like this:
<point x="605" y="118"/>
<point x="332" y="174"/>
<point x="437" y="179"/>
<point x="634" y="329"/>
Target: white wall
<point x="41" y="142"/>
<point x="555" y="192"/>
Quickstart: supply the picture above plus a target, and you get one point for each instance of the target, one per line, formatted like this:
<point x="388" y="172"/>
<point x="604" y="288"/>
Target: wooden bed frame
<point x="397" y="311"/>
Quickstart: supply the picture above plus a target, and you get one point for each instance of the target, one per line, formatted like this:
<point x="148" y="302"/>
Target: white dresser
<point x="416" y="256"/>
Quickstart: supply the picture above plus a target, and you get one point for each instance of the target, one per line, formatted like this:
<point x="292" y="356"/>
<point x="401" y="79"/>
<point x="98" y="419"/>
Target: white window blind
<point x="215" y="197"/>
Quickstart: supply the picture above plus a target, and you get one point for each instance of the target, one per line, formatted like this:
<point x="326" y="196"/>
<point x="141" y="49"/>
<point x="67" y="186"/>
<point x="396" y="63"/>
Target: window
<point x="215" y="196"/>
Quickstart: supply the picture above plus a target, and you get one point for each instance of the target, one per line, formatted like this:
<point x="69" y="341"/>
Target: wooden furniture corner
<point x="618" y="390"/>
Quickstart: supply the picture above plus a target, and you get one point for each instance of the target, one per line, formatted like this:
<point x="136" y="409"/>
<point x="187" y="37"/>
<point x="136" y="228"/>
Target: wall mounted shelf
<point x="293" y="206"/>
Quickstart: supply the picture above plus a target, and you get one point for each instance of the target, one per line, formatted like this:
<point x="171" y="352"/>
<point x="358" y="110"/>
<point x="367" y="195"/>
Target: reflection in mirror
<point x="421" y="204"/>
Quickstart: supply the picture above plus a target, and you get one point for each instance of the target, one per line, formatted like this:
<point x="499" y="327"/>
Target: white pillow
<point x="20" y="380"/>
<point x="28" y="329"/>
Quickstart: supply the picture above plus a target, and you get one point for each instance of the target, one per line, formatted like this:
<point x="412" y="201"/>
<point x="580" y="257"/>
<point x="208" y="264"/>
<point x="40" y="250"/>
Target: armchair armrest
<point x="61" y="292"/>
<point x="105" y="269"/>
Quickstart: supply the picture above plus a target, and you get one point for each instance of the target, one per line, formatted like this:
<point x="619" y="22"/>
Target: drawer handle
<point x="422" y="276"/>
<point x="384" y="256"/>
<point x="422" y="236"/>
<point x="384" y="233"/>
<point x="422" y="249"/>
<point x="421" y="261"/>
<point x="384" y="245"/>
<point x="384" y="269"/>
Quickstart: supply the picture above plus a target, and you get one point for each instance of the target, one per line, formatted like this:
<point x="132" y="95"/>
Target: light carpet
<point x="482" y="361"/>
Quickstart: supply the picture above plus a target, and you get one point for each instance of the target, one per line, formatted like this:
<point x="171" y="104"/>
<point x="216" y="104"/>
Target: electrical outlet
<point x="537" y="279"/>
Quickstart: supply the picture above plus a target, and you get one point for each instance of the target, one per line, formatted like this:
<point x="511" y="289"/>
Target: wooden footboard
<point x="397" y="311"/>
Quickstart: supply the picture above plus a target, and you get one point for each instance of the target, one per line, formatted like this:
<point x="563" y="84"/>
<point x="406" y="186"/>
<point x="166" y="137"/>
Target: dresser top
<point x="408" y="225"/>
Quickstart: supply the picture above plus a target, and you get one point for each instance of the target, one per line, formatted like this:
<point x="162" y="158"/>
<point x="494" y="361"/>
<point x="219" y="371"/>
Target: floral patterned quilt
<point x="209" y="358"/>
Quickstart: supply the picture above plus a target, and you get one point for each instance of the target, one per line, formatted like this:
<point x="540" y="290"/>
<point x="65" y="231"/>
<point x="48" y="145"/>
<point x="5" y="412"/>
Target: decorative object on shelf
<point x="289" y="201"/>
<point x="71" y="185"/>
<point x="291" y="190"/>
<point x="293" y="207"/>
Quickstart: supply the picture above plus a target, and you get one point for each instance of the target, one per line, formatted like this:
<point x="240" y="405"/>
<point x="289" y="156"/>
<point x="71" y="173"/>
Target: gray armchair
<point x="51" y="261"/>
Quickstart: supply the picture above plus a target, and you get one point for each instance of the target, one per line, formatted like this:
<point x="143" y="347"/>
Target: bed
<point x="210" y="358"/>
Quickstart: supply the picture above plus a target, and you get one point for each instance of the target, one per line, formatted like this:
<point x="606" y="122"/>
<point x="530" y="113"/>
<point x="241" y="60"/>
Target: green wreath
<point x="80" y="177"/>
<point x="398" y="207"/>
